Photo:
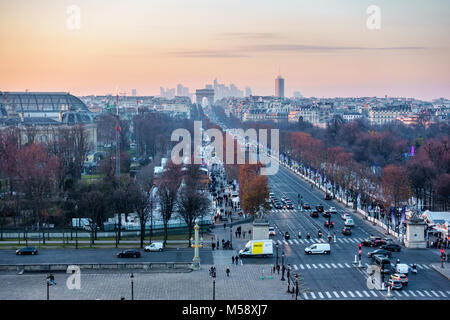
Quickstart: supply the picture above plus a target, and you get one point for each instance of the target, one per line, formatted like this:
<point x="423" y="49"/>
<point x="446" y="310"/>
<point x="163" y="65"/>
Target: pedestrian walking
<point x="228" y="271"/>
<point x="213" y="245"/>
<point x="243" y="235"/>
<point x="236" y="234"/>
<point x="224" y="226"/>
<point x="232" y="259"/>
<point x="217" y="244"/>
<point x="237" y="260"/>
<point x="278" y="268"/>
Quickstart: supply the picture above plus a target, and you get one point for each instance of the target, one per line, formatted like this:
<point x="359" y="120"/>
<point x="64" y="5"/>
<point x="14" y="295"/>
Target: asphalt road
<point x="335" y="272"/>
<point x="102" y="256"/>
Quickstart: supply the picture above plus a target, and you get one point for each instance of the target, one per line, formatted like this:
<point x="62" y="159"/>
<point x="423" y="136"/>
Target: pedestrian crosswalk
<point x="319" y="266"/>
<point x="370" y="294"/>
<point x="316" y="240"/>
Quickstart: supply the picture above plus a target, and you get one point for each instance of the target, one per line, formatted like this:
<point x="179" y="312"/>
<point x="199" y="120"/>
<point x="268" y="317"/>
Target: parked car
<point x="129" y="254"/>
<point x="347" y="231"/>
<point x="27" y="250"/>
<point x="314" y="214"/>
<point x="155" y="246"/>
<point x="395" y="284"/>
<point x="401" y="277"/>
<point x="381" y="252"/>
<point x="391" y="247"/>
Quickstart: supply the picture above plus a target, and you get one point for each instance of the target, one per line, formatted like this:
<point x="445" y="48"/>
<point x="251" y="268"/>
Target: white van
<point x="155" y="246"/>
<point x="257" y="248"/>
<point x="402" y="268"/>
<point x="349" y="222"/>
<point x="318" y="248"/>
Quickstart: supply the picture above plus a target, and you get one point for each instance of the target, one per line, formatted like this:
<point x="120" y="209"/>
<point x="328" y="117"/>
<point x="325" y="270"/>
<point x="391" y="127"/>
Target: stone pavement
<point x="244" y="283"/>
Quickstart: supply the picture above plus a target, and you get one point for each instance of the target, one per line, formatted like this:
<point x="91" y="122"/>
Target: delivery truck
<point x="257" y="248"/>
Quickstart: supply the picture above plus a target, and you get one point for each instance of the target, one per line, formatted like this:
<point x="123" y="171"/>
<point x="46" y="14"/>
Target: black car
<point x="289" y="205"/>
<point x="373" y="242"/>
<point x="314" y="214"/>
<point x="327" y="197"/>
<point x="287" y="236"/>
<point x="27" y="250"/>
<point x="278" y="205"/>
<point x="380" y="251"/>
<point x="319" y="208"/>
<point x="306" y="206"/>
<point x="391" y="247"/>
<point x="328" y="224"/>
<point x="347" y="231"/>
<point x="129" y="254"/>
<point x="326" y="214"/>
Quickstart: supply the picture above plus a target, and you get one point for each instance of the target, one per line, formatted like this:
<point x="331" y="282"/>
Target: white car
<point x="155" y="246"/>
<point x="332" y="210"/>
<point x="320" y="248"/>
<point x="349" y="222"/>
<point x="402" y="268"/>
<point x="345" y="216"/>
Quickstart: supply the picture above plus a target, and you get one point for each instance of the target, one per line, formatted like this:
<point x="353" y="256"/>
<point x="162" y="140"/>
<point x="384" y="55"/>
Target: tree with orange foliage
<point x="253" y="189"/>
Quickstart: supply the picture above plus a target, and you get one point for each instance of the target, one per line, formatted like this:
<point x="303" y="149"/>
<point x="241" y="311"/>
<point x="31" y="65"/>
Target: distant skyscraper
<point x="133" y="92"/>
<point x="179" y="90"/>
<point x="248" y="91"/>
<point x="279" y="87"/>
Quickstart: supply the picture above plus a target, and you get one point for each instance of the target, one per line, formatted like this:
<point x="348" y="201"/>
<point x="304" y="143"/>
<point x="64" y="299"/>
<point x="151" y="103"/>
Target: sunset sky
<point x="322" y="48"/>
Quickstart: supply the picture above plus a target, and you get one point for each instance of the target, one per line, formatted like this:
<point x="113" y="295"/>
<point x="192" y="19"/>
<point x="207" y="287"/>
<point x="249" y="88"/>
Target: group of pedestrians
<point x="213" y="272"/>
<point x="235" y="259"/>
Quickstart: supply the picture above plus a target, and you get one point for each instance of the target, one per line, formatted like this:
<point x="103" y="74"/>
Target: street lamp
<point x="132" y="287"/>
<point x="277" y="256"/>
<point x="214" y="289"/>
<point x="289" y="279"/>
<point x="296" y="286"/>
<point x="231" y="238"/>
<point x="282" y="266"/>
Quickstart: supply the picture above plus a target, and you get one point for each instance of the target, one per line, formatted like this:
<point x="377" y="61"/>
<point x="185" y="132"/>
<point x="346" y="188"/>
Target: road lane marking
<point x="302" y="267"/>
<point x="366" y="294"/>
<point x="347" y="265"/>
<point x="321" y="266"/>
<point x="358" y="293"/>
<point x="320" y="295"/>
<point x="412" y="293"/>
<point x="406" y="293"/>
<point x="290" y="242"/>
<point x="426" y="292"/>
<point x="301" y="241"/>
<point x="284" y="241"/>
<point x="295" y="267"/>
<point x="328" y="294"/>
<point x="373" y="293"/>
<point x="343" y="294"/>
<point x="305" y="295"/>
<point x="308" y="266"/>
<point x="398" y="293"/>
<point x="334" y="266"/>
<point x="420" y="293"/>
<point x="426" y="267"/>
<point x="351" y="294"/>
<point x="442" y="294"/>
<point x="312" y="295"/>
<point x="315" y="267"/>
<point x="296" y="242"/>
<point x="434" y="293"/>
<point x="336" y="294"/>
<point x="340" y="265"/>
<point x="327" y="265"/>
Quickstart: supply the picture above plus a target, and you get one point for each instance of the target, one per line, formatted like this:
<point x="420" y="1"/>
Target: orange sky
<point x="322" y="48"/>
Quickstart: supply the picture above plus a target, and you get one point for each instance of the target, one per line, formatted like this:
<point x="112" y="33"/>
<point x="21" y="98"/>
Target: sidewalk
<point x="444" y="271"/>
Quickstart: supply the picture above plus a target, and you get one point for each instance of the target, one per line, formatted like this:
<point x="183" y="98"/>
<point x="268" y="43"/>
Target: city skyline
<point x="323" y="49"/>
